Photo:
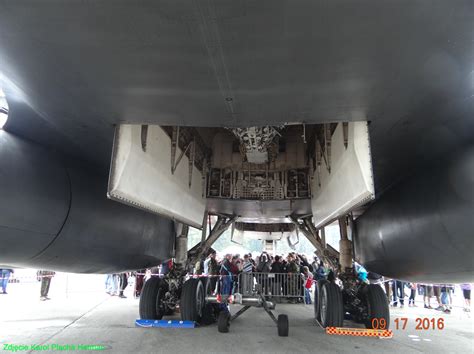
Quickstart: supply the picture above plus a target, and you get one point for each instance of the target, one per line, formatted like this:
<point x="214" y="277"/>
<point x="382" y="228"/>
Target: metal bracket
<point x="192" y="154"/>
<point x="181" y="243"/>
<point x="204" y="176"/>
<point x="219" y="228"/>
<point x="293" y="244"/>
<point x="191" y="147"/>
<point x="327" y="145"/>
<point x="174" y="144"/>
<point x="323" y="237"/>
<point x="204" y="226"/>
<point x="308" y="229"/>
<point x="318" y="160"/>
<point x="191" y="161"/>
<point x="345" y="132"/>
<point x="144" y="137"/>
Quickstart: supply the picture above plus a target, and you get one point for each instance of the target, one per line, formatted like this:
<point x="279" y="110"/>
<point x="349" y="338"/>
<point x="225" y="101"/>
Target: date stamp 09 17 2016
<point x="421" y="323"/>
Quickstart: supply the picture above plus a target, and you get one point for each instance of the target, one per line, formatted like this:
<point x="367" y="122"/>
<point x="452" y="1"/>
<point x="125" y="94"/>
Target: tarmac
<point x="82" y="316"/>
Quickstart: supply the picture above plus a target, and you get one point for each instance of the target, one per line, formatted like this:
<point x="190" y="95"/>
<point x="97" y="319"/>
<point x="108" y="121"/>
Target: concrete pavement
<point x="94" y="318"/>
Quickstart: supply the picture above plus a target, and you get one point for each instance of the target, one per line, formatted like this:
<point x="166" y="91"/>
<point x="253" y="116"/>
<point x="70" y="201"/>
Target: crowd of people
<point x="396" y="291"/>
<point x="43" y="276"/>
<point x="290" y="277"/>
<point x="115" y="284"/>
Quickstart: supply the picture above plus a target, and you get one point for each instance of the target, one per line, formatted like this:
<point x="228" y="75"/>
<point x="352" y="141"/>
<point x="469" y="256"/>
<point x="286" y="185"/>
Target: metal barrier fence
<point x="274" y="285"/>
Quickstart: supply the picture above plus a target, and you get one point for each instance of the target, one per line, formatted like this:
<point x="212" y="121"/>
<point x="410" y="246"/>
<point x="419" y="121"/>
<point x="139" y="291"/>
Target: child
<point x="308" y="284"/>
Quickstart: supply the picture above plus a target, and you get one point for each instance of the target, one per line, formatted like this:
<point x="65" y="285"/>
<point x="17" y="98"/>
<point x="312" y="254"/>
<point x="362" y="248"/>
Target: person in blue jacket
<point x="4" y="276"/>
<point x="320" y="272"/>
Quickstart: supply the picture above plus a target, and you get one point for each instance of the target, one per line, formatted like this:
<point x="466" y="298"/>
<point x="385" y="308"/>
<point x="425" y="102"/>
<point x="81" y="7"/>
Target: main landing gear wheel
<point x="331" y="305"/>
<point x="283" y="325"/>
<point x="223" y="322"/>
<point x="209" y="311"/>
<point x="317" y="302"/>
<point x="151" y="305"/>
<point x="192" y="300"/>
<point x="377" y="308"/>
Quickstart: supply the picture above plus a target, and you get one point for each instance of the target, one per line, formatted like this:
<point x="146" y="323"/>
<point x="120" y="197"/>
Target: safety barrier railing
<point x="275" y="285"/>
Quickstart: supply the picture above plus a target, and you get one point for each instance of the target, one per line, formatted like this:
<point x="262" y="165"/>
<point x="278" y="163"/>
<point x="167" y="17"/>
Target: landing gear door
<point x="141" y="175"/>
<point x="343" y="179"/>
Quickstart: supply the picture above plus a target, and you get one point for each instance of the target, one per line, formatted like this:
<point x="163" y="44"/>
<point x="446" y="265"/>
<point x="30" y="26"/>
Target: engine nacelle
<point x="422" y="230"/>
<point x="54" y="214"/>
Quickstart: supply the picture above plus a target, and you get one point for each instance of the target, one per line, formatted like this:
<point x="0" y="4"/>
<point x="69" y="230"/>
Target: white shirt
<point x="206" y="266"/>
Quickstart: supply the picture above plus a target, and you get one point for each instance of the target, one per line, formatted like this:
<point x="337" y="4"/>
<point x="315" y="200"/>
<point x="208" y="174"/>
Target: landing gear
<point x="331" y="305"/>
<point x="209" y="311"/>
<point x="317" y="302"/>
<point x="162" y="308"/>
<point x="192" y="300"/>
<point x="152" y="306"/>
<point x="366" y="303"/>
<point x="160" y="296"/>
<point x="377" y="308"/>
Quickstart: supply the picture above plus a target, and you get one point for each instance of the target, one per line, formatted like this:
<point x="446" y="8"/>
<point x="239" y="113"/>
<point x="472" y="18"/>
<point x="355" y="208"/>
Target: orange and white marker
<point x="360" y="332"/>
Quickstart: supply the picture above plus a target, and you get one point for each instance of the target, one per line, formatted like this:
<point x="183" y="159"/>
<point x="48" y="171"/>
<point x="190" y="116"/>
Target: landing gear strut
<point x="364" y="302"/>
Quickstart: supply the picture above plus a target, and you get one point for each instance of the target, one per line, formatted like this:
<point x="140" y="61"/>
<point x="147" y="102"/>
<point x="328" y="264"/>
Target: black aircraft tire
<point x="192" y="300"/>
<point x="148" y="299"/>
<point x="283" y="325"/>
<point x="209" y="310"/>
<point x="223" y="322"/>
<point x="317" y="302"/>
<point x="331" y="307"/>
<point x="377" y="307"/>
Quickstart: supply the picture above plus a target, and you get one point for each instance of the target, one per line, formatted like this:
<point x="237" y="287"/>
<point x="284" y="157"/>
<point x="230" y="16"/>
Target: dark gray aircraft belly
<point x="73" y="69"/>
<point x="406" y="66"/>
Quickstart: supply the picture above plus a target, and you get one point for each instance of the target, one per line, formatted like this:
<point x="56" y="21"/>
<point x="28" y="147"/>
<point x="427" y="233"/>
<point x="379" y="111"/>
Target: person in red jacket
<point x="308" y="284"/>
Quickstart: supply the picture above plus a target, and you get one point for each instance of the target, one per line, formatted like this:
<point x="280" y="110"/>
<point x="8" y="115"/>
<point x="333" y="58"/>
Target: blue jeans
<point x="444" y="297"/>
<point x="111" y="283"/>
<point x="4" y="276"/>
<point x="307" y="296"/>
<point x="226" y="283"/>
<point x="398" y="291"/>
